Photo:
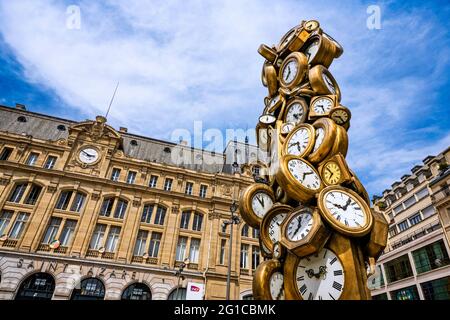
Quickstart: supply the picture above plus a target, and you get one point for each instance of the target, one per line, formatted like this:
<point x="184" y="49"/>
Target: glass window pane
<point x="78" y="202"/>
<point x="67" y="232"/>
<point x="18" y="226"/>
<point x="5" y="219"/>
<point x="52" y="230"/>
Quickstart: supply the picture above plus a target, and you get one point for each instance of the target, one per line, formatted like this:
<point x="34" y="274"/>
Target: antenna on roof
<point x="112" y="99"/>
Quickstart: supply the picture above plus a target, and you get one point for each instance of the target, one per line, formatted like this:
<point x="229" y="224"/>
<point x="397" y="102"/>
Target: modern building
<point x="415" y="264"/>
<point x="90" y="212"/>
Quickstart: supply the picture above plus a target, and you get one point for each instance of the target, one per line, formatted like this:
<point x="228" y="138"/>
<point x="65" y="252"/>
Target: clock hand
<point x="299" y="218"/>
<point x="347" y="204"/>
<point x="89" y="155"/>
<point x="330" y="172"/>
<point x="341" y="118"/>
<point x="260" y="200"/>
<point x="310" y="273"/>
<point x="280" y="293"/>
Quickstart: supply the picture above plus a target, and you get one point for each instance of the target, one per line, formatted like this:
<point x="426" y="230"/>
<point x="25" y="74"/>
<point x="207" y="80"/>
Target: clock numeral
<point x="301" y="278"/>
<point x="346" y="222"/>
<point x="325" y="253"/>
<point x="320" y="298"/>
<point x="303" y="289"/>
<point x="337" y="286"/>
<point x="310" y="297"/>
<point x="337" y="273"/>
<point x="333" y="260"/>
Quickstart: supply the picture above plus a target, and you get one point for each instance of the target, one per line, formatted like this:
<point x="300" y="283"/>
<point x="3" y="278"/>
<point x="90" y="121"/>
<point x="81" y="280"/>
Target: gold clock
<point x="311" y="25"/>
<point x="270" y="75"/>
<point x="287" y="41"/>
<point x="300" y="140"/>
<point x="323" y="82"/>
<point x="279" y="252"/>
<point x="303" y="232"/>
<point x="255" y="201"/>
<point x="321" y="106"/>
<point x="268" y="53"/>
<point x="266" y="253"/>
<point x="268" y="281"/>
<point x="341" y="115"/>
<point x="272" y="104"/>
<point x="296" y="110"/>
<point x="340" y="143"/>
<point x="335" y="171"/>
<point x="299" y="178"/>
<point x="377" y="239"/>
<point x="345" y="211"/>
<point x="262" y="137"/>
<point x="357" y="186"/>
<point x="319" y="50"/>
<point x="338" y="49"/>
<point x="270" y="225"/>
<point x="325" y="136"/>
<point x="293" y="70"/>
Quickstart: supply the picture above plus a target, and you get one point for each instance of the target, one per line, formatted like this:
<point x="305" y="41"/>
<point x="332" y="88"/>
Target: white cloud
<point x="180" y="61"/>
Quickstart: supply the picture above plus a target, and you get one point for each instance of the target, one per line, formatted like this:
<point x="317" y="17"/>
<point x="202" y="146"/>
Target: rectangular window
<point x="18" y="192"/>
<point x="141" y="241"/>
<point x="5" y="219"/>
<point x="437" y="289"/>
<point x="408" y="293"/>
<point x="203" y="191"/>
<point x="115" y="174"/>
<point x="430" y="257"/>
<point x="392" y="231"/>
<point x="67" y="232"/>
<point x="18" y="226"/>
<point x="33" y="195"/>
<point x="155" y="241"/>
<point x="147" y="213"/>
<point x="160" y="215"/>
<point x="415" y="219"/>
<point x="398" y="209"/>
<point x="168" y="184"/>
<point x="97" y="237"/>
<point x="189" y="187"/>
<point x="121" y="208"/>
<point x="223" y="244"/>
<point x="245" y="230"/>
<point x="194" y="250"/>
<point x="6" y="152"/>
<point x="52" y="230"/>
<point x="402" y="226"/>
<point x="244" y="256"/>
<point x="107" y="206"/>
<point x="185" y="217"/>
<point x="255" y="233"/>
<point x="64" y="200"/>
<point x="197" y="223"/>
<point x="255" y="257"/>
<point x="50" y="163"/>
<point x="398" y="269"/>
<point x="153" y="181"/>
<point x="32" y="158"/>
<point x="78" y="202"/>
<point x="181" y="249"/>
<point x="131" y="178"/>
<point x="409" y="202"/>
<point x="113" y="239"/>
<point x="428" y="211"/>
<point x="422" y="193"/>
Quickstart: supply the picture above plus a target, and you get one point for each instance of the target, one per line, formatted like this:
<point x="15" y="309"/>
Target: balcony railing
<point x="44" y="247"/>
<point x="414" y="236"/>
<point x="9" y="243"/>
<point x="440" y="194"/>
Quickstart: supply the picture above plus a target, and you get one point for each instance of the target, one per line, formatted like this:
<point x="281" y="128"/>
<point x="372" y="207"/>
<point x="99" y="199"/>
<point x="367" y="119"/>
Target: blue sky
<point x="181" y="61"/>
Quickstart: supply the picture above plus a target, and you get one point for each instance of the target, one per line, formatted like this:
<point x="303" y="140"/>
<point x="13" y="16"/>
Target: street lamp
<point x="234" y="220"/>
<point x="183" y="265"/>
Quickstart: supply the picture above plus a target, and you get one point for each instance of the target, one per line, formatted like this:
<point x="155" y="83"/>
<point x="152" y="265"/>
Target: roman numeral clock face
<point x="275" y="227"/>
<point x="277" y="286"/>
<point x="300" y="226"/>
<point x="295" y="113"/>
<point x="345" y="209"/>
<point x="304" y="174"/>
<point x="261" y="203"/>
<point x="322" y="106"/>
<point x="320" y="276"/>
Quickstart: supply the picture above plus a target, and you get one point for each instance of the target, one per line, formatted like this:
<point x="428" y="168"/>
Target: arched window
<point x="244" y="231"/>
<point x="116" y="205"/>
<point x="71" y="200"/>
<point x="159" y="216"/>
<point x="197" y="221"/>
<point x="248" y="297"/>
<point x="137" y="291"/>
<point x="38" y="286"/>
<point x="18" y="192"/>
<point x="178" y="294"/>
<point x="90" y="289"/>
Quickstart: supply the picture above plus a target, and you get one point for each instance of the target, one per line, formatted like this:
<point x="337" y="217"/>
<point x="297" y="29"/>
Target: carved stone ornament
<point x="226" y="190"/>
<point x="175" y="209"/>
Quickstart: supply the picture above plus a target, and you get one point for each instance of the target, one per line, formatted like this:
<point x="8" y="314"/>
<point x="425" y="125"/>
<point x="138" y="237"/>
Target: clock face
<point x="261" y="203"/>
<point x="304" y="174"/>
<point x="299" y="141"/>
<point x="320" y="276"/>
<point x="88" y="155"/>
<point x="331" y="173"/>
<point x="345" y="209"/>
<point x="295" y="113"/>
<point x="340" y="116"/>
<point x="320" y="135"/>
<point x="299" y="227"/>
<point x="276" y="250"/>
<point x="274" y="101"/>
<point x="329" y="83"/>
<point x="277" y="286"/>
<point x="287" y="127"/>
<point x="311" y="25"/>
<point x="290" y="71"/>
<point x="267" y="119"/>
<point x="312" y="49"/>
<point x="275" y="227"/>
<point x="322" y="105"/>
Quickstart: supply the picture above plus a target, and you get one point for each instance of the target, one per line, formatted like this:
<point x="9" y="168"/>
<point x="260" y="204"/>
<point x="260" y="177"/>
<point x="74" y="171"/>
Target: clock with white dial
<point x="88" y="155"/>
<point x="312" y="49"/>
<point x="320" y="276"/>
<point x="300" y="141"/>
<point x="293" y="70"/>
<point x="322" y="106"/>
<point x="322" y="82"/>
<point x="287" y="127"/>
<point x="271" y="224"/>
<point x="254" y="203"/>
<point x="345" y="211"/>
<point x="296" y="111"/>
<point x="277" y="286"/>
<point x="299" y="227"/>
<point x="268" y="281"/>
<point x="329" y="83"/>
<point x="267" y="119"/>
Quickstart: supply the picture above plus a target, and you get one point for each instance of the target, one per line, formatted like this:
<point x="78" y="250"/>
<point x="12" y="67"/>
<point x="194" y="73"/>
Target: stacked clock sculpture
<point x="318" y="235"/>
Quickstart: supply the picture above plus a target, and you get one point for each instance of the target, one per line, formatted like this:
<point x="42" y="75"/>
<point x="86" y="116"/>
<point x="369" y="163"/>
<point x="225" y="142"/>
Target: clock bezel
<point x="261" y="279"/>
<point x="330" y="132"/>
<point x="340" y="227"/>
<point x="310" y="145"/>
<point x="277" y="209"/>
<point x="84" y="147"/>
<point x="270" y="75"/>
<point x="341" y="108"/>
<point x="325" y="53"/>
<point x="339" y="160"/>
<point x="318" y="84"/>
<point x="245" y="203"/>
<point x="304" y="105"/>
<point x="302" y="68"/>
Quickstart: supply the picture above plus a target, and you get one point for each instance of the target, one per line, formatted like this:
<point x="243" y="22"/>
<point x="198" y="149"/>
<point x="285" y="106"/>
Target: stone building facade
<point x="90" y="212"/>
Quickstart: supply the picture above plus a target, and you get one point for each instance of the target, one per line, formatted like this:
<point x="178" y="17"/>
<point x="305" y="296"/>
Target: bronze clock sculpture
<point x="321" y="239"/>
